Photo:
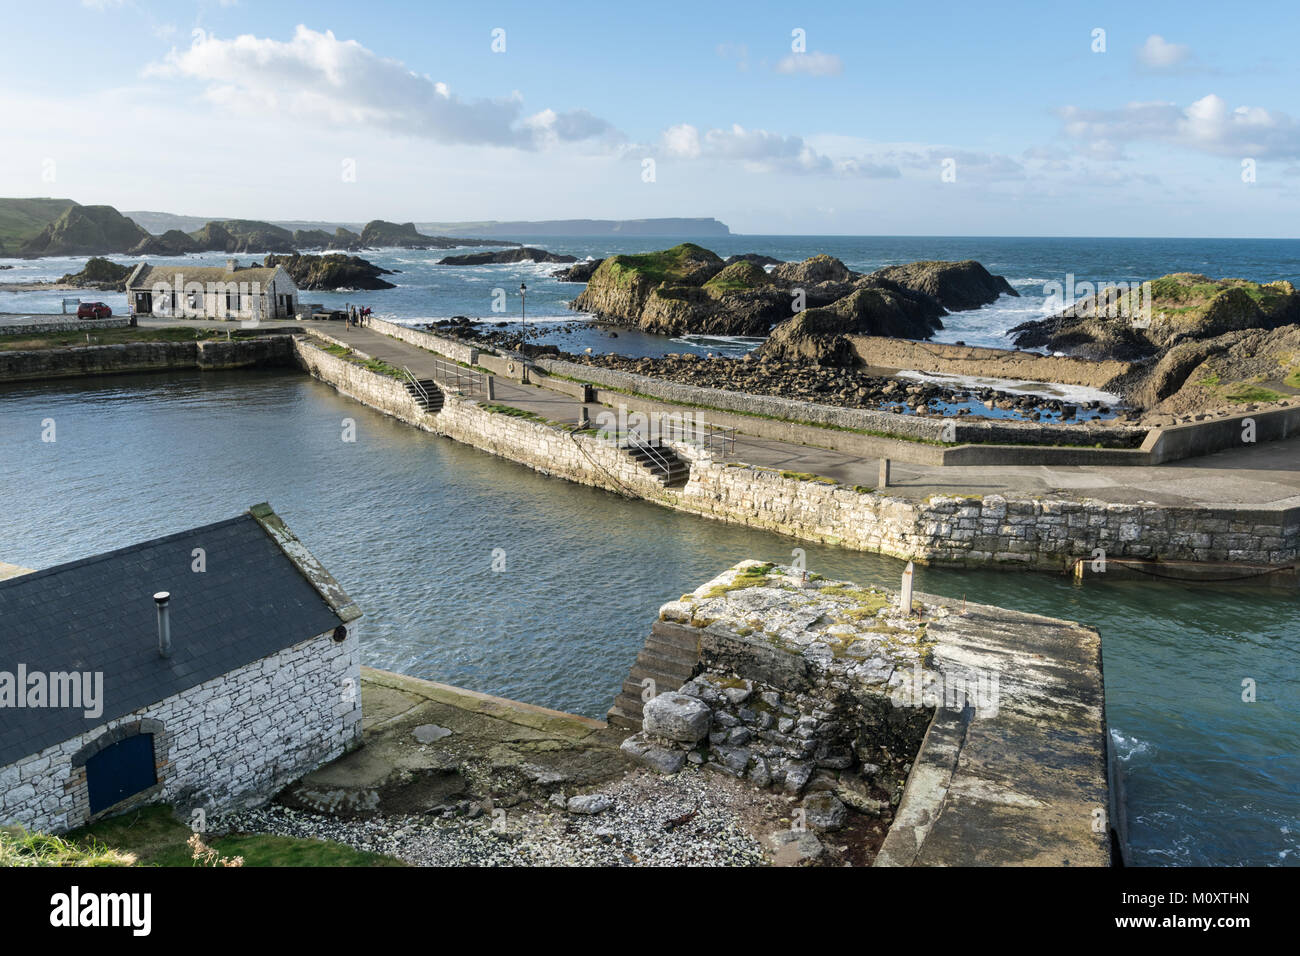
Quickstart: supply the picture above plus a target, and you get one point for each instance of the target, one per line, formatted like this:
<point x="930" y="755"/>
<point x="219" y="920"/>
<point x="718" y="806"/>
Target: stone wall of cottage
<point x="235" y="740"/>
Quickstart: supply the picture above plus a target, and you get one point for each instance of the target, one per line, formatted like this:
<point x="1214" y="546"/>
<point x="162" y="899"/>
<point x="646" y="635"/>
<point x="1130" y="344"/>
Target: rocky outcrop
<point x="958" y="286"/>
<point x="242" y="235"/>
<point x="99" y="274"/>
<point x="684" y="290"/>
<point x="754" y="257"/>
<point x="381" y="234"/>
<point x="1133" y="324"/>
<point x="85" y="230"/>
<point x="813" y="271"/>
<point x="579" y="272"/>
<point x="341" y="239"/>
<point x="818" y="335"/>
<point x="332" y="271"/>
<point x="874" y="307"/>
<point x="690" y="290"/>
<point x="173" y="242"/>
<point x="522" y="254"/>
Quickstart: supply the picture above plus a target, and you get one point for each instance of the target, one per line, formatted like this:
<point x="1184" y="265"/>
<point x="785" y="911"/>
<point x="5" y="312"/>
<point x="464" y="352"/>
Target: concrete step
<point x="667" y="664"/>
<point x="669" y="650"/>
<point x="679" y="635"/>
<point x="617" y="718"/>
<point x="663" y="682"/>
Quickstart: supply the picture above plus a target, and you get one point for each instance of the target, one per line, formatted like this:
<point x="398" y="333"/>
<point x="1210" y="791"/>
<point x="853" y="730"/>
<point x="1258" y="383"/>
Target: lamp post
<point x="523" y="335"/>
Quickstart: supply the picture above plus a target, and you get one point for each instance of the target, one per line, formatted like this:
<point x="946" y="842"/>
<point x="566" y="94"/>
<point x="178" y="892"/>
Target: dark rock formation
<point x="755" y="258"/>
<point x="688" y="289"/>
<point x="1128" y="324"/>
<point x="522" y="254"/>
<point x="173" y="242"/>
<point x="818" y="335"/>
<point x="379" y="234"/>
<point x="99" y="274"/>
<point x="85" y="230"/>
<point x="813" y="271"/>
<point x="958" y="286"/>
<point x="579" y="272"/>
<point x="332" y="271"/>
<point x="243" y="235"/>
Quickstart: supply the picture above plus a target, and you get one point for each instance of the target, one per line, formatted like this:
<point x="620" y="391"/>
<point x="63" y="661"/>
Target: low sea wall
<point x="39" y="364"/>
<point x="69" y="324"/>
<point x="1048" y="533"/>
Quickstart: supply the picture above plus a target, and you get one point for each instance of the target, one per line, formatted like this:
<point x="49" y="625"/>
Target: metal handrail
<point x="424" y="395"/>
<point x="636" y="441"/>
<point x="464" y="381"/>
<point x="703" y="435"/>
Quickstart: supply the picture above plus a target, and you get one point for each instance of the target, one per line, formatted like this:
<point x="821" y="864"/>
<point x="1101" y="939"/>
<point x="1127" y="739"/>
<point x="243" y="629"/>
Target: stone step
<point x="678" y="635"/>
<point x="617" y="718"/>
<point x="663" y="682"/>
<point x="669" y="666"/>
<point x="671" y="651"/>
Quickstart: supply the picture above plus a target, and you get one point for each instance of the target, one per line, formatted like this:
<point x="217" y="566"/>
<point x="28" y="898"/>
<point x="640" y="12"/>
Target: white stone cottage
<point x="247" y="293"/>
<point x="205" y="669"/>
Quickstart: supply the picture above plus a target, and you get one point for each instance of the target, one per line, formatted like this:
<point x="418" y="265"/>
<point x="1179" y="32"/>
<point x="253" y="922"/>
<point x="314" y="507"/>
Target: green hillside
<point x="23" y="219"/>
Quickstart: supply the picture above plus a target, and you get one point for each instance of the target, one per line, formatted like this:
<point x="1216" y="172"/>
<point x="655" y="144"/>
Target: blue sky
<point x="936" y="118"/>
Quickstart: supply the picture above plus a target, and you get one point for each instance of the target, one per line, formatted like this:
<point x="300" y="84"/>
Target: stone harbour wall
<point x="236" y="739"/>
<point x="40" y="364"/>
<point x="1047" y="533"/>
<point x="70" y="324"/>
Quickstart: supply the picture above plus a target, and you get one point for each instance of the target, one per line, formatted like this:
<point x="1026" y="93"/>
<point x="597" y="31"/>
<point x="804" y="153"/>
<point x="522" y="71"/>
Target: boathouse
<point x="245" y="293"/>
<point x="206" y="669"/>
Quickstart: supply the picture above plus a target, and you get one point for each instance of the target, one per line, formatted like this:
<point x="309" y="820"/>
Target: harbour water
<point x="412" y="525"/>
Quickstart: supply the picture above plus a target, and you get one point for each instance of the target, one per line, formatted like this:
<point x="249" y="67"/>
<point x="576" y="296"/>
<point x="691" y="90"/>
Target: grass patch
<point x="752" y="576"/>
<point x="1244" y="392"/>
<point x="20" y="848"/>
<point x="154" y="837"/>
<point x="513" y="412"/>
<point x="808" y="476"/>
<point x="654" y="267"/>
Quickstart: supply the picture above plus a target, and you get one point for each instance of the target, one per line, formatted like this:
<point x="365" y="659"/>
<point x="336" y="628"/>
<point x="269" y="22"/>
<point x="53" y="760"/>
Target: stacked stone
<point x="752" y="731"/>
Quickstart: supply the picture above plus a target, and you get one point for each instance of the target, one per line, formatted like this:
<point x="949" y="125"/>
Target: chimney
<point x="162" y="599"/>
<point x="232" y="265"/>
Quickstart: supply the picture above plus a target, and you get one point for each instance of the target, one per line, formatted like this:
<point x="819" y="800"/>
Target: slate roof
<point x="98" y="614"/>
<point x="144" y="277"/>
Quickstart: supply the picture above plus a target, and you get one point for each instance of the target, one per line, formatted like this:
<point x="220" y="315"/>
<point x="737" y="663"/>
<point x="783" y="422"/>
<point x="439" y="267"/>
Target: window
<point x="119" y="771"/>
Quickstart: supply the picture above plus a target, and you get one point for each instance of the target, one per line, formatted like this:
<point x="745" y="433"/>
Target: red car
<point x="93" y="310"/>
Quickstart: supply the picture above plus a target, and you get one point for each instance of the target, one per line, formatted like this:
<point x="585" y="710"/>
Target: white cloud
<point x="814" y="64"/>
<point x="682" y="141"/>
<point x="1159" y="54"/>
<point x="1208" y="125"/>
<point x="760" y="150"/>
<point x="317" y="78"/>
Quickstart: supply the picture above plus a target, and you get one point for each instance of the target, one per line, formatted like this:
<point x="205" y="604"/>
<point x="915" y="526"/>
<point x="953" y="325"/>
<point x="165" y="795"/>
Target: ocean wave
<point x="1126" y="747"/>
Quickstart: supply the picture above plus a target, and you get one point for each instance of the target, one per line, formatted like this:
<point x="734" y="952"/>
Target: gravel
<point x="710" y="822"/>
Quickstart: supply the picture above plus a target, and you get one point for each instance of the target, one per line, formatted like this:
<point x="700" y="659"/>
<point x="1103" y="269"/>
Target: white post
<point x="905" y="599"/>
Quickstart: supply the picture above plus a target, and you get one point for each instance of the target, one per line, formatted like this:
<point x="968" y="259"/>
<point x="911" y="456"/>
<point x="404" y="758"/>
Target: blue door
<point x="120" y="770"/>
